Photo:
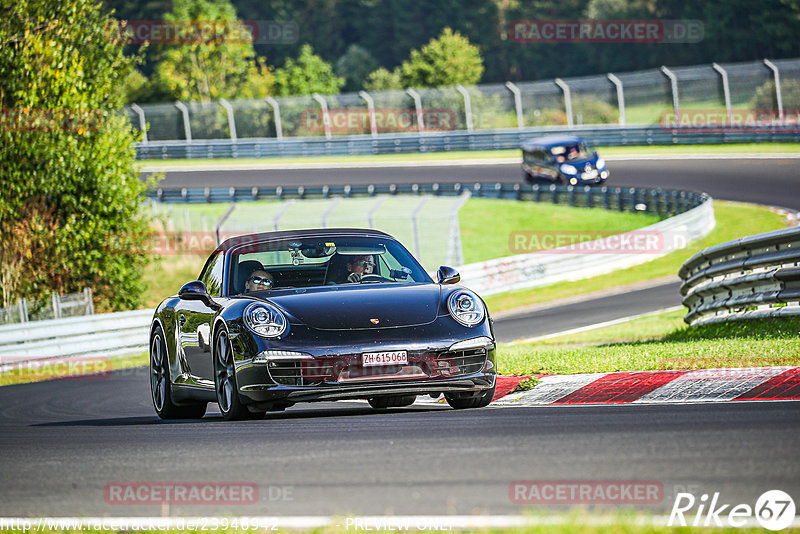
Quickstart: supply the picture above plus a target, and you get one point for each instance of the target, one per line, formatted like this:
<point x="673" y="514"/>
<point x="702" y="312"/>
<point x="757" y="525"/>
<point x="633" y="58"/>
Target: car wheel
<point x="528" y="177"/>
<point x="396" y="401"/>
<point x="161" y="384"/>
<point x="477" y="400"/>
<point x="225" y="381"/>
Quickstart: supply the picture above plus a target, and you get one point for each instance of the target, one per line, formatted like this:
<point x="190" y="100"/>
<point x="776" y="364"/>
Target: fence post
<point x="620" y="97"/>
<point x="517" y="103"/>
<point x="56" y="306"/>
<point x="726" y="91"/>
<point x="231" y="122"/>
<point x="327" y="213"/>
<point x="187" y="127"/>
<point x="467" y="105"/>
<point x="415" y="228"/>
<point x="221" y="221"/>
<point x="87" y="291"/>
<point x="373" y="209"/>
<point x="373" y="126"/>
<point x="455" y="252"/>
<point x="673" y="80"/>
<point x="418" y="105"/>
<point x="326" y="117"/>
<point x="142" y="122"/>
<point x="23" y="310"/>
<point x="276" y="110"/>
<point x="777" y="77"/>
<point x="567" y="99"/>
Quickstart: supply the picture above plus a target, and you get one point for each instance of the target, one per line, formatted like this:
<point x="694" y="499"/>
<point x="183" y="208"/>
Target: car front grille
<point x="462" y="362"/>
<point x="346" y="368"/>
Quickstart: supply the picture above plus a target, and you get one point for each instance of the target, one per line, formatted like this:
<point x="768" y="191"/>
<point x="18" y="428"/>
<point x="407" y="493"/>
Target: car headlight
<point x="465" y="307"/>
<point x="264" y="319"/>
<point x="568" y="169"/>
<point x="600" y="163"/>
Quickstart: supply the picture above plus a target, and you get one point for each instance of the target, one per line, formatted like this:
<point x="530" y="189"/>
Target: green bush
<point x="70" y="202"/>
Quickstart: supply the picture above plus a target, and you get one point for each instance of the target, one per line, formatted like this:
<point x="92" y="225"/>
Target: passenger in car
<point x="260" y="280"/>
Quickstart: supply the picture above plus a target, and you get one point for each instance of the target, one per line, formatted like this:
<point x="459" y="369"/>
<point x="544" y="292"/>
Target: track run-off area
<point x="66" y="443"/>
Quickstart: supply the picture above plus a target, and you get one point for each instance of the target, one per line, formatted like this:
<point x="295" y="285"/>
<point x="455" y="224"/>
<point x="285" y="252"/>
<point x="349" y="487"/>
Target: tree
<point x="71" y="193"/>
<point x="307" y="74"/>
<point x="203" y="68"/>
<point x="448" y="60"/>
<point x="383" y="80"/>
<point x="354" y="66"/>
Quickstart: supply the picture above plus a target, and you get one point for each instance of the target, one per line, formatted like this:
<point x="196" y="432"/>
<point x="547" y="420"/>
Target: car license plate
<point x="396" y="357"/>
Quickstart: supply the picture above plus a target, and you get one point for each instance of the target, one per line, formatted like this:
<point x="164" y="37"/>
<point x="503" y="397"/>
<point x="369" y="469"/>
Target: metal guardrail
<point x="452" y="141"/>
<point x="751" y="277"/>
<point x="634" y="199"/>
<point x="108" y="334"/>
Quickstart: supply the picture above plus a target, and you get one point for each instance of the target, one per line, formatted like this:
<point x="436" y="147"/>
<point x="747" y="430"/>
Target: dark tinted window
<point x="212" y="274"/>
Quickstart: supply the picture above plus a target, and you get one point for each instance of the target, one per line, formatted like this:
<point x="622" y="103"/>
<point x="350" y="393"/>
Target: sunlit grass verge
<point x="95" y="368"/>
<point x="489" y="225"/>
<point x="486" y="227"/>
<point x="741" y="148"/>
<point x="757" y="343"/>
<point x="734" y="220"/>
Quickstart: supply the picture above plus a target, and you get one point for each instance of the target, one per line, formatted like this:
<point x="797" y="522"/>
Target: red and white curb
<point x="644" y="387"/>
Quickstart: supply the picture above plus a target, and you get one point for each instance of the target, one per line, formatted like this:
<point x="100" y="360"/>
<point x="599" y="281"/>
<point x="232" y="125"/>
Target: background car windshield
<point x="328" y="260"/>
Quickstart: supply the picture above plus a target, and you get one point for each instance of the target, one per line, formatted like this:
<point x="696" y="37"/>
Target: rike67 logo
<point x="774" y="510"/>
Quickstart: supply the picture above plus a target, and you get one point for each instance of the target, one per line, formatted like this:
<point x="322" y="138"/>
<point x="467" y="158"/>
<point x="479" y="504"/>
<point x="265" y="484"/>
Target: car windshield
<point x="571" y="152"/>
<point x="321" y="261"/>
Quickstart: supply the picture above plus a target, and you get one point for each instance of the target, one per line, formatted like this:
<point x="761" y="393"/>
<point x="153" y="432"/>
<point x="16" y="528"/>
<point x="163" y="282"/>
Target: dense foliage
<point x="70" y="197"/>
<point x="734" y="30"/>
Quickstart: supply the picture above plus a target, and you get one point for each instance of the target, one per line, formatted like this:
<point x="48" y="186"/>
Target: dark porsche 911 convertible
<point x="318" y="315"/>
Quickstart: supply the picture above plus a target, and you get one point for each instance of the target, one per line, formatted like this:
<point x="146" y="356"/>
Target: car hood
<point x="358" y="306"/>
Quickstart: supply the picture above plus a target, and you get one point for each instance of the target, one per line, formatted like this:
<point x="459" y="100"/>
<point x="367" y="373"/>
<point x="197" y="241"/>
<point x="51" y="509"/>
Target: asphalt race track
<point x="64" y="442"/>
<point x="771" y="181"/>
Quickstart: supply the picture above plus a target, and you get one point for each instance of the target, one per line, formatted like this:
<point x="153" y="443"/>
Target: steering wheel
<point x="373" y="278"/>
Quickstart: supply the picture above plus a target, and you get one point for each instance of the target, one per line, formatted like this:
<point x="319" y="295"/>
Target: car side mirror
<point x="447" y="275"/>
<point x="195" y="290"/>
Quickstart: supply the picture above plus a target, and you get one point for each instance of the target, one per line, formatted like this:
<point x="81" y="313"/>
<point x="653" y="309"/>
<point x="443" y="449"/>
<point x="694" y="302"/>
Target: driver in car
<point x="358" y="266"/>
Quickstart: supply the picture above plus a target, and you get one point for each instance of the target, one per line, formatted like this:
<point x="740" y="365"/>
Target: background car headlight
<point x="601" y="163"/>
<point x="465" y="307"/>
<point x="568" y="169"/>
<point x="264" y="319"/>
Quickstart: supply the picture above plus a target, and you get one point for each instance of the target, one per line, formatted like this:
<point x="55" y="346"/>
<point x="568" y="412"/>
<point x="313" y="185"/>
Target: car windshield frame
<point x="381" y="247"/>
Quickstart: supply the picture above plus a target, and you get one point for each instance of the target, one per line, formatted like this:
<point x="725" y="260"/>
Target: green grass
<point x="771" y="148"/>
<point x="53" y="370"/>
<point x="488" y="226"/>
<point x="734" y="220"/>
<point x="758" y="343"/>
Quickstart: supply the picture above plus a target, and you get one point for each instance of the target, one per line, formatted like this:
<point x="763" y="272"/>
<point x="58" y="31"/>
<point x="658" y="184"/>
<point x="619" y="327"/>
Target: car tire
<point x="230" y="405"/>
<point x="396" y="401"/>
<point x="528" y="177"/>
<point x="161" y="383"/>
<point x="477" y="400"/>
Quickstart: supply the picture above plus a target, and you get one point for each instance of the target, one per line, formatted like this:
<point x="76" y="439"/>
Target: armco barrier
<point x="108" y="334"/>
<point x="587" y="259"/>
<point x="752" y="277"/>
<point x="511" y="138"/>
<point x="663" y="201"/>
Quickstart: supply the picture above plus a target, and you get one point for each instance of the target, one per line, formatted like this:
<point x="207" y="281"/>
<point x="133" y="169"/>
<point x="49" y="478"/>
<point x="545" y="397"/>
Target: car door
<point x="194" y="324"/>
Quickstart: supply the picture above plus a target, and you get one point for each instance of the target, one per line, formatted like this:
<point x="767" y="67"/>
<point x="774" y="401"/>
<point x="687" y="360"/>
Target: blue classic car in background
<point x="562" y="159"/>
